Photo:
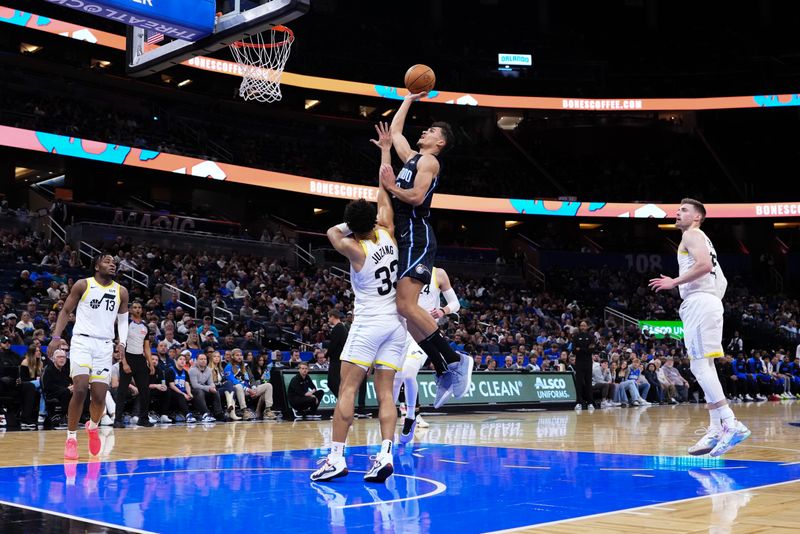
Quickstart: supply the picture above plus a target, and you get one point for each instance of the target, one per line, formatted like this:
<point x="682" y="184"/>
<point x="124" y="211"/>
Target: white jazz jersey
<point x="97" y="310"/>
<point x="430" y="295"/>
<point x="374" y="285"/>
<point x="713" y="283"/>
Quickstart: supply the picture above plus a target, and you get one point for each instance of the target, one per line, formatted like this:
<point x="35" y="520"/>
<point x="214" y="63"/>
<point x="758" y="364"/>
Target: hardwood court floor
<point x="717" y="503"/>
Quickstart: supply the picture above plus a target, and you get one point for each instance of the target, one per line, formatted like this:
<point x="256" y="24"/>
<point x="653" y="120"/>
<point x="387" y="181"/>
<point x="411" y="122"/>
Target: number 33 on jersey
<point x="375" y="283"/>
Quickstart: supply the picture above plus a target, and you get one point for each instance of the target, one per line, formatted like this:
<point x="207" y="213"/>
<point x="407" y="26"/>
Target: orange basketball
<point x="420" y="78"/>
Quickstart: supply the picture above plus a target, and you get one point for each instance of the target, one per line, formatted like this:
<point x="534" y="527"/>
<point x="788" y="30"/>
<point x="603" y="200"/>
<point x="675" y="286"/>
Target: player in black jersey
<point x="412" y="192"/>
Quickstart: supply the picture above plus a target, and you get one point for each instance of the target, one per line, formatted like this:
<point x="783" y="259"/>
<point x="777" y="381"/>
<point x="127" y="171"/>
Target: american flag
<point x="153" y="37"/>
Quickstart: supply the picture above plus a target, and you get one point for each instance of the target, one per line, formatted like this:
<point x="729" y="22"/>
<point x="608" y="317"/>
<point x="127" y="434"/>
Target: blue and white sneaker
<point x="444" y="387"/>
<point x="331" y="468"/>
<point x="407" y="434"/>
<point x="462" y="375"/>
<point x="730" y="437"/>
<point x="381" y="468"/>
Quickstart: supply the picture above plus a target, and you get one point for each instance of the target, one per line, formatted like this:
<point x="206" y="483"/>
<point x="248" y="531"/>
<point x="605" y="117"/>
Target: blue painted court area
<point x="436" y="488"/>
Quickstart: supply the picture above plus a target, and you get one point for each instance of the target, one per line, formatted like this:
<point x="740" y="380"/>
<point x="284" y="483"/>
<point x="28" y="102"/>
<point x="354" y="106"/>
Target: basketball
<point x="420" y="78"/>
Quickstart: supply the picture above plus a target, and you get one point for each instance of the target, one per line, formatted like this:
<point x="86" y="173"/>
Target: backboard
<point x="147" y="54"/>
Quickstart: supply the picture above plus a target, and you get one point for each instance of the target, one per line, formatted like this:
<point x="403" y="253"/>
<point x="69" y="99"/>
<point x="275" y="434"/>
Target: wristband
<point x="344" y="228"/>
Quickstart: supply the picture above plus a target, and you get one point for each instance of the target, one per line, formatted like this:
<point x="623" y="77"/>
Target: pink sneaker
<point x="94" y="440"/>
<point x="71" y="449"/>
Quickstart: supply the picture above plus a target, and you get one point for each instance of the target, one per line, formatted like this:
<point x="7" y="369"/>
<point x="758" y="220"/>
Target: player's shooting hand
<point x="387" y="176"/>
<point x="416" y="96"/>
<point x="662" y="284"/>
<point x="384" y="140"/>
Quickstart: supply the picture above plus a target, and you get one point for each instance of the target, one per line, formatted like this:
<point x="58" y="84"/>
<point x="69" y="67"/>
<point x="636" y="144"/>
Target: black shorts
<point x="416" y="246"/>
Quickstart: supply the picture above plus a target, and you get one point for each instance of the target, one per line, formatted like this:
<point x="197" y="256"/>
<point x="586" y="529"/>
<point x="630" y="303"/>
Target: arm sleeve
<point x="452" y="300"/>
<point x="122" y="328"/>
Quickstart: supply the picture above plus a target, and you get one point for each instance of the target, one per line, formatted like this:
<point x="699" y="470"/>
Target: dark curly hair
<point x="447" y="133"/>
<point x="360" y="216"/>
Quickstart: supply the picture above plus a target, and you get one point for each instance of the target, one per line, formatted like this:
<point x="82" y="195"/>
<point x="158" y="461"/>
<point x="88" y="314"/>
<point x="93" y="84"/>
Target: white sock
<point x="725" y="415"/>
<point x="715" y="422"/>
<point x="337" y="449"/>
<point x="386" y="447"/>
<point x="92" y="425"/>
<point x="72" y="435"/>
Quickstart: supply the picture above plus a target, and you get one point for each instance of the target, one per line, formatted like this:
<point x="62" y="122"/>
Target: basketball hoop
<point x="262" y="58"/>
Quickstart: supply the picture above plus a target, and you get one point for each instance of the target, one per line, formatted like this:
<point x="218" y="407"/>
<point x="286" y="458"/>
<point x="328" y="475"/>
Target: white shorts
<point x="415" y="358"/>
<point x="378" y="340"/>
<point x="701" y="314"/>
<point x="91" y="356"/>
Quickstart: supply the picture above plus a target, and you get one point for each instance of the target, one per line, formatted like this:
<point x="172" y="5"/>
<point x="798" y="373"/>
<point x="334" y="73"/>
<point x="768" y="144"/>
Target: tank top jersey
<point x="405" y="180"/>
<point x="137" y="333"/>
<point x="97" y="310"/>
<point x="713" y="283"/>
<point x="374" y="285"/>
<point x="430" y="295"/>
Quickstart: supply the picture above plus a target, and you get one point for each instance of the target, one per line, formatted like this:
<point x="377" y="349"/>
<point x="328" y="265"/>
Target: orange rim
<point x="280" y="28"/>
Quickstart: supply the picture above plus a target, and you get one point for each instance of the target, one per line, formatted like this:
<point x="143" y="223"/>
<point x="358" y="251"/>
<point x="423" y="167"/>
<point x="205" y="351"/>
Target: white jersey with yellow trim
<point x="430" y="294"/>
<point x="713" y="283"/>
<point x="97" y="310"/>
<point x="374" y="285"/>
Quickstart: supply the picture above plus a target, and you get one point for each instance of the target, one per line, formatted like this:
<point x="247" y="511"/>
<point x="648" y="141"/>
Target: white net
<point x="262" y="58"/>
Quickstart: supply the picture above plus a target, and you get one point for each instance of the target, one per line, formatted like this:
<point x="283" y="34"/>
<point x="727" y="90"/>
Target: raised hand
<point x="384" y="141"/>
<point x="416" y="96"/>
<point x="387" y="176"/>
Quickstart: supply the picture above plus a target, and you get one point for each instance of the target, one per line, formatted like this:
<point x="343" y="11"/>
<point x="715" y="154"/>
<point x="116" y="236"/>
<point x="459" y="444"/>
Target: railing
<point x="185" y="299"/>
<point x="303" y="345"/>
<point x="304" y="255"/>
<point x="131" y="273"/>
<point x="221" y="315"/>
<point x="340" y="273"/>
<point x="57" y="230"/>
<point x="626" y="319"/>
<point x="777" y="279"/>
<point x="535" y="274"/>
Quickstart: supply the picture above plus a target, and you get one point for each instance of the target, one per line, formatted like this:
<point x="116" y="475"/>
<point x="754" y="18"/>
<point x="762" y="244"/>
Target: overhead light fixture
<point x="166" y="78"/>
<point x="512" y="224"/>
<point x="365" y="111"/>
<point x="27" y="48"/>
<point x="667" y="227"/>
<point x="508" y="122"/>
<point x="311" y="104"/>
<point x="786" y="225"/>
<point x="317" y="211"/>
<point x="185" y="82"/>
<point x="589" y="226"/>
<point x="387" y="113"/>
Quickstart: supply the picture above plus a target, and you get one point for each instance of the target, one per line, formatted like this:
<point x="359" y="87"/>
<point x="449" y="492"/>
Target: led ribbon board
<point x="180" y="19"/>
<point x="161" y="161"/>
<point x="83" y="33"/>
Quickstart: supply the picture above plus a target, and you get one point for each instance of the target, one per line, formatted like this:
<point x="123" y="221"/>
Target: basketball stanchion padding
<point x="262" y="57"/>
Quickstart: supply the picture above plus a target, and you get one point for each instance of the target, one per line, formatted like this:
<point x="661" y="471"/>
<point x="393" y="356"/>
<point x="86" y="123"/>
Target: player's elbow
<point x="705" y="267"/>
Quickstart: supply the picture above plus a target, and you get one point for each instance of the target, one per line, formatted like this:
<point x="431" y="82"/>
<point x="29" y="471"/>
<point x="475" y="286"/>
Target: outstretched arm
<point x="385" y="210"/>
<point x="339" y="236"/>
<point x="398" y="121"/>
<point x="695" y="245"/>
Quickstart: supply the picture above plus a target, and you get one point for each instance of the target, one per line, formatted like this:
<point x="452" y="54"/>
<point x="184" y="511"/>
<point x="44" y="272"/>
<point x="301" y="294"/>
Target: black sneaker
<point x="119" y="424"/>
<point x="144" y="422"/>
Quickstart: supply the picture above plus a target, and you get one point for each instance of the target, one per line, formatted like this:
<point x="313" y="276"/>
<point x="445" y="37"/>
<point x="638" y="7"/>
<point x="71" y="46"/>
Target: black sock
<point x="439" y="363"/>
<point x="444" y="348"/>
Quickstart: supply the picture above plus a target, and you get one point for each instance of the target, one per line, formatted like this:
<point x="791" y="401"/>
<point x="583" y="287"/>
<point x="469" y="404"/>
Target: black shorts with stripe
<point x="416" y="245"/>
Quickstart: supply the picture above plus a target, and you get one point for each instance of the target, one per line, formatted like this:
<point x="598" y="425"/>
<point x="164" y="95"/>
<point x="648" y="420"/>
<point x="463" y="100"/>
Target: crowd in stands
<point x="211" y="369"/>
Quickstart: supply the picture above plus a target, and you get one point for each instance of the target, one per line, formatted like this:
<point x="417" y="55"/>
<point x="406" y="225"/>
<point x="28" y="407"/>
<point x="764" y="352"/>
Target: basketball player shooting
<point x="702" y="285"/>
<point x="412" y="192"/>
<point x="99" y="303"/>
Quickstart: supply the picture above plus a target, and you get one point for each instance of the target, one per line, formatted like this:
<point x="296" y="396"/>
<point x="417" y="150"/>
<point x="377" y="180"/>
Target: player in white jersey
<point x="99" y="303"/>
<point x="377" y="336"/>
<point x="702" y="286"/>
<point x="430" y="300"/>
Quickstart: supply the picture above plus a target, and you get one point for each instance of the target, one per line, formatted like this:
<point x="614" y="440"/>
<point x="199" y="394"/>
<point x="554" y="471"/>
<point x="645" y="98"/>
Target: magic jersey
<point x="374" y="285"/>
<point x="713" y="283"/>
<point x="97" y="310"/>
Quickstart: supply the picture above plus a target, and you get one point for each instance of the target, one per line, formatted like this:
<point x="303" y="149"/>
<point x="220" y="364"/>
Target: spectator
<point x="54" y="291"/>
<point x="249" y="343"/>
<point x="674" y="377"/>
<point x="294" y="360"/>
<point x="491" y="365"/>
<point x="207" y="326"/>
<point x="336" y="341"/>
<point x="669" y="392"/>
<point x="159" y="392"/>
<point x="320" y="361"/>
<point x="192" y="342"/>
<point x="223" y="385"/>
<point x="603" y="383"/>
<point x="635" y="374"/>
<point x="180" y="389"/>
<point x="304" y="397"/>
<point x="57" y="388"/>
<point x="30" y="375"/>
<point x="25" y="325"/>
<point x="651" y="376"/>
<point x="239" y="376"/>
<point x="205" y="392"/>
